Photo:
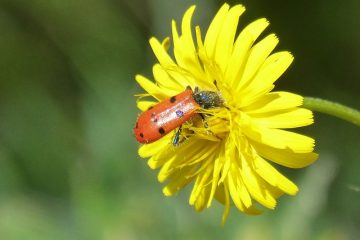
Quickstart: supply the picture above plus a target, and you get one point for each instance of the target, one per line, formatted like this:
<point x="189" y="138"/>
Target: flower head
<point x="227" y="158"/>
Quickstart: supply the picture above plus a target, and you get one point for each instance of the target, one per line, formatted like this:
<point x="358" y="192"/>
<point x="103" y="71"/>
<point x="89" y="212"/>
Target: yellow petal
<point x="166" y="43"/>
<point x="200" y="203"/>
<point x="158" y="160"/>
<point x="186" y="29"/>
<point x="229" y="152"/>
<point x="160" y="53"/>
<point x="165" y="81"/>
<point x="285" y="157"/>
<point x="184" y="48"/>
<point x="273" y="177"/>
<point x="215" y="178"/>
<point x="201" y="180"/>
<point x="278" y="138"/>
<point x="145" y="105"/>
<point x="274" y="101"/>
<point x="244" y="194"/>
<point x="225" y="41"/>
<point x="257" y="56"/>
<point x="192" y="152"/>
<point x="297" y="117"/>
<point x="256" y="186"/>
<point x="167" y="169"/>
<point x="179" y="75"/>
<point x="199" y="41"/>
<point x="161" y="151"/>
<point x="187" y="58"/>
<point x="214" y="30"/>
<point x="275" y="191"/>
<point x="240" y="53"/>
<point x="178" y="180"/>
<point x="272" y="69"/>
<point x="235" y="196"/>
<point x="148" y="150"/>
<point x="226" y="204"/>
<point x="151" y="88"/>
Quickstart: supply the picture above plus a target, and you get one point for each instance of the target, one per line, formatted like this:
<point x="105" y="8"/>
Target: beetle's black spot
<point x="155" y="120"/>
<point x="142" y="135"/>
<point x="173" y="99"/>
<point x="161" y="131"/>
<point x="150" y="107"/>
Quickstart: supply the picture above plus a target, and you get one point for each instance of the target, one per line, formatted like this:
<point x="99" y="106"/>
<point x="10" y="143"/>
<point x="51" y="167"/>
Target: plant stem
<point x="332" y="108"/>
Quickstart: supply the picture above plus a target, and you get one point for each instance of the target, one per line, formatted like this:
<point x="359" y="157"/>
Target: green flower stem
<point x="332" y="108"/>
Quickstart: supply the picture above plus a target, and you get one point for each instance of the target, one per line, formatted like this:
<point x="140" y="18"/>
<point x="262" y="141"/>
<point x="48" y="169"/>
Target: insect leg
<point x="204" y="120"/>
<point x="206" y="125"/>
<point x="176" y="139"/>
<point x="215" y="83"/>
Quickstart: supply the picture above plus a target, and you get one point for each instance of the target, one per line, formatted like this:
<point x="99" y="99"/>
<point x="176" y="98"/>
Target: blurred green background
<point x="69" y="167"/>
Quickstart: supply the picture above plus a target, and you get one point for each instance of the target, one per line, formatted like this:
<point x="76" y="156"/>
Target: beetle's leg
<point x="215" y="83"/>
<point x="204" y="120"/>
<point x="208" y="131"/>
<point x="176" y="139"/>
<point x="196" y="90"/>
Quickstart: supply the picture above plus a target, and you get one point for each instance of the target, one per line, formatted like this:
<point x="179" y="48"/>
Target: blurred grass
<point x="68" y="162"/>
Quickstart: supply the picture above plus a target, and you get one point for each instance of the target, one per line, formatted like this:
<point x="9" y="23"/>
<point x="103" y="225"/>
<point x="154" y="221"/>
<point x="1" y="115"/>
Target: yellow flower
<point x="228" y="160"/>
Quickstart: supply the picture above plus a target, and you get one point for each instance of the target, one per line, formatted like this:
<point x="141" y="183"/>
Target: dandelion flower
<point x="230" y="158"/>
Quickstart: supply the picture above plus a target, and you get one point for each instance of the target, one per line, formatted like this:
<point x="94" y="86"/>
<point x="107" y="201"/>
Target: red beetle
<point x="171" y="113"/>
